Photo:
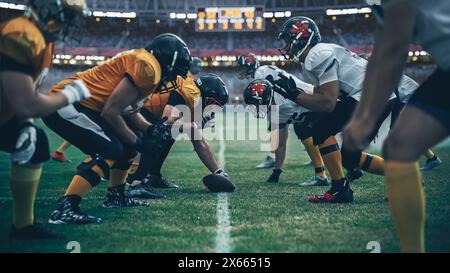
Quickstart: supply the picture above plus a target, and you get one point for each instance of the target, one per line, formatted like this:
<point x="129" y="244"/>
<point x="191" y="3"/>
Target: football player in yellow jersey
<point x="108" y="127"/>
<point x="206" y="92"/>
<point x="26" y="47"/>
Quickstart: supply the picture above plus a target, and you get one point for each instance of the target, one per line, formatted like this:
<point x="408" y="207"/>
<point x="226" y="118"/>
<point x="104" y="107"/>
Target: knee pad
<point x="89" y="174"/>
<point x="42" y="152"/>
<point x="350" y="160"/>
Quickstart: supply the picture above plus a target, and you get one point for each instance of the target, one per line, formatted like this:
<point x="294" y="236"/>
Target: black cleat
<point x="355" y="174"/>
<point x="116" y="198"/>
<point x="144" y="190"/>
<point x="344" y="195"/>
<point x="68" y="212"/>
<point x="32" y="232"/>
<point x="158" y="181"/>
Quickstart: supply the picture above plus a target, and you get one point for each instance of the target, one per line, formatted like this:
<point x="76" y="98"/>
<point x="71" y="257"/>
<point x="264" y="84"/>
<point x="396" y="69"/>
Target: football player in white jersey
<point x="288" y="112"/>
<point x="337" y="75"/>
<point x="426" y="116"/>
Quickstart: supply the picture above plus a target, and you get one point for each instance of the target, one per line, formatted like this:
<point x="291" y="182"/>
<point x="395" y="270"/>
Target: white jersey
<point x="330" y="62"/>
<point x="288" y="110"/>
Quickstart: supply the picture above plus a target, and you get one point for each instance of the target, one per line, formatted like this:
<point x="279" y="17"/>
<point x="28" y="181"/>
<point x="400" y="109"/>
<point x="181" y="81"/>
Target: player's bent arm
<point x="280" y="152"/>
<point x="124" y="95"/>
<point x="24" y="101"/>
<point x="203" y="151"/>
<point x="323" y="100"/>
<point x="390" y="53"/>
<point x="139" y="122"/>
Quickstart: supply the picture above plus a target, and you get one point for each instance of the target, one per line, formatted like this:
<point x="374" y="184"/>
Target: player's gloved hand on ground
<point x="285" y="86"/>
<point x="220" y="171"/>
<point x="160" y="131"/>
<point x="25" y="145"/>
<point x="75" y="91"/>
<point x="275" y="176"/>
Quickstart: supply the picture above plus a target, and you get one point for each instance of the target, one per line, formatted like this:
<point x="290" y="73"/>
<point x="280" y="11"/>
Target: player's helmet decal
<point x="248" y="63"/>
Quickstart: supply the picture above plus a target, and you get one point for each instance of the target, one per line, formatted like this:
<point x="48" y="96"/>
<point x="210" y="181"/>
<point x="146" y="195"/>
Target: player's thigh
<point x="85" y="130"/>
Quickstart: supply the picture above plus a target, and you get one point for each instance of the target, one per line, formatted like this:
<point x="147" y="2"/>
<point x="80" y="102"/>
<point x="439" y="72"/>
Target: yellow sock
<point x="79" y="186"/>
<point x="314" y="153"/>
<point x="429" y="154"/>
<point x="61" y="149"/>
<point x="24" y="182"/>
<point x="407" y="204"/>
<point x="117" y="177"/>
<point x="372" y="163"/>
<point x="333" y="159"/>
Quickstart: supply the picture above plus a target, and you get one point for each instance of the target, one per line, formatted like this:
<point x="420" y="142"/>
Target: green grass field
<point x="263" y="217"/>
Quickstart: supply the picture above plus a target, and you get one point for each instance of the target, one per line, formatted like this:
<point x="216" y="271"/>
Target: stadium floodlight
<point x="287" y="13"/>
<point x="279" y="14"/>
<point x="333" y="12"/>
<point x="114" y="14"/>
<point x="173" y="15"/>
<point x="192" y="15"/>
<point x="268" y="14"/>
<point x="5" y="5"/>
<point x="181" y="16"/>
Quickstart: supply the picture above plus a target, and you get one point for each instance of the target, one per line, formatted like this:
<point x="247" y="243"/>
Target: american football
<point x="205" y="127"/>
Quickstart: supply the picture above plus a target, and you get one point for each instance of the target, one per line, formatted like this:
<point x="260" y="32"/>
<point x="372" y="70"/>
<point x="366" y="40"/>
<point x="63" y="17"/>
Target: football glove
<point x="25" y="145"/>
<point x="160" y="131"/>
<point x="285" y="86"/>
<point x="275" y="176"/>
<point x="220" y="171"/>
<point x="75" y="91"/>
<point x="148" y="145"/>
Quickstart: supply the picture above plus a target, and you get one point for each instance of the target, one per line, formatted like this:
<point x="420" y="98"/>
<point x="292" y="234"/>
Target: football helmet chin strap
<point x="296" y="58"/>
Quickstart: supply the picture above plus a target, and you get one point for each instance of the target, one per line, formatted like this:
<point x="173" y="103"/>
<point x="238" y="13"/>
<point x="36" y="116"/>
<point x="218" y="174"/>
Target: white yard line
<point x="223" y="239"/>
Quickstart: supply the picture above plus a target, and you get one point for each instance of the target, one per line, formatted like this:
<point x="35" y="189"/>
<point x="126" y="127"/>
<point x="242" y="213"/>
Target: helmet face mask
<point x="247" y="65"/>
<point x="58" y="19"/>
<point x="257" y="95"/>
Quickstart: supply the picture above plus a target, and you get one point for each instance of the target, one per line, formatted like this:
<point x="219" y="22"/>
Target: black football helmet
<point x="258" y="93"/>
<point x="248" y="64"/>
<point x="57" y="19"/>
<point x="173" y="55"/>
<point x="297" y="34"/>
<point x="213" y="90"/>
<point x="196" y="66"/>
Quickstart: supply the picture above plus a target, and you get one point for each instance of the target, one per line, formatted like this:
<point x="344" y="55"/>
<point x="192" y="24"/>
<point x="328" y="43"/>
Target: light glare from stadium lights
<point x="331" y="12"/>
<point x="114" y="14"/>
<point x="173" y="15"/>
<point x="56" y="61"/>
<point x="181" y="16"/>
<point x="287" y="13"/>
<point x="423" y="53"/>
<point x="73" y="62"/>
<point x="410" y="54"/>
<point x="5" y="5"/>
<point x="279" y="14"/>
<point x="192" y="16"/>
<point x="268" y="14"/>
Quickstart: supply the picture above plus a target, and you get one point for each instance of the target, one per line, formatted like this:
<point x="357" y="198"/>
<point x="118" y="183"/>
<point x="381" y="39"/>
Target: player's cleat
<point x="68" y="212"/>
<point x="353" y="175"/>
<point x="32" y="232"/>
<point x="144" y="190"/>
<point x="316" y="181"/>
<point x="116" y="198"/>
<point x="431" y="164"/>
<point x="307" y="164"/>
<point x="266" y="164"/>
<point x="158" y="181"/>
<point x="342" y="195"/>
<point x="60" y="157"/>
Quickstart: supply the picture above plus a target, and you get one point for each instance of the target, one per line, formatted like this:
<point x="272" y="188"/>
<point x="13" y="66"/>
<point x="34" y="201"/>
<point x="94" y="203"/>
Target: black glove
<point x="160" y="131"/>
<point x="285" y="86"/>
<point x="275" y="176"/>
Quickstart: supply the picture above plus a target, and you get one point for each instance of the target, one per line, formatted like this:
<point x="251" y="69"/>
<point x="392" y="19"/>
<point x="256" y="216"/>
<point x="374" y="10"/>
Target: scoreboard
<point x="230" y="19"/>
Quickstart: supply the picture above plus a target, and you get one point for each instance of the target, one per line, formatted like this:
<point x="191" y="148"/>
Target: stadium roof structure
<point x="162" y="8"/>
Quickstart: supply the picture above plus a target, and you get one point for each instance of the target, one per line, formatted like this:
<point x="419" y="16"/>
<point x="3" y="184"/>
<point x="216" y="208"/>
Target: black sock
<point x="433" y="158"/>
<point x="156" y="167"/>
<point x="340" y="184"/>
